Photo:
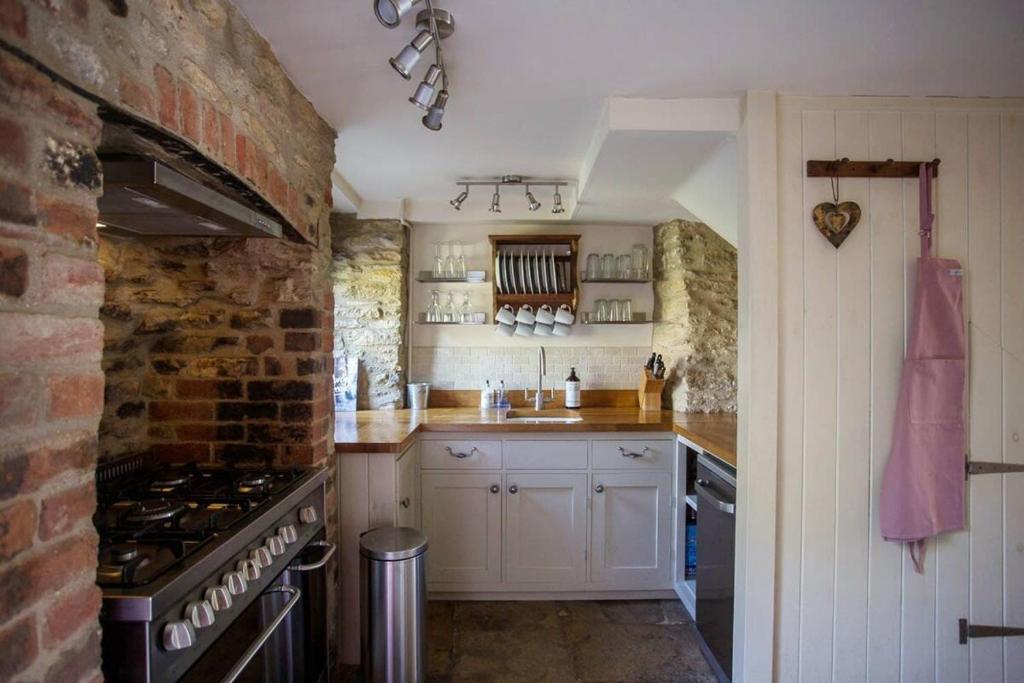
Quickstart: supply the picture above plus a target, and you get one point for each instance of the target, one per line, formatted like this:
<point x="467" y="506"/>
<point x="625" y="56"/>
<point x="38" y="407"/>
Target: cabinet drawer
<point x="545" y="455"/>
<point x="628" y="454"/>
<point x="460" y="455"/>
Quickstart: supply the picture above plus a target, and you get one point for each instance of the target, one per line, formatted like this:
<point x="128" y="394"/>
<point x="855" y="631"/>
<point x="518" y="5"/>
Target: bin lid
<point x="392" y="543"/>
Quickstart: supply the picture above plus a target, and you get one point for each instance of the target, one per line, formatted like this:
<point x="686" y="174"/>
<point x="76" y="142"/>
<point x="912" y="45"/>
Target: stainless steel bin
<point x="393" y="605"/>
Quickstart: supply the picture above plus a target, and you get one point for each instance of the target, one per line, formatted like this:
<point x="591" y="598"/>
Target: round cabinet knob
<point x="235" y="583"/>
<point x="179" y="635"/>
<point x="261" y="556"/>
<point x="513" y="489"/>
<point x="200" y="613"/>
<point x="599" y="488"/>
<point x="249" y="569"/>
<point x="275" y="546"/>
<point x="307" y="515"/>
<point x="288" y="533"/>
<point x="219" y="598"/>
<point x="495" y="488"/>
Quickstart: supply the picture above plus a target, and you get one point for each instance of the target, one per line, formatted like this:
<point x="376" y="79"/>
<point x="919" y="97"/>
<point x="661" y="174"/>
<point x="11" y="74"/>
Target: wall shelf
<point x="616" y="281"/>
<point x="428" y="277"/>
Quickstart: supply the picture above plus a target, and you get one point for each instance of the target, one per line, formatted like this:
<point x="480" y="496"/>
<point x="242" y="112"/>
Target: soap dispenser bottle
<point x="572" y="390"/>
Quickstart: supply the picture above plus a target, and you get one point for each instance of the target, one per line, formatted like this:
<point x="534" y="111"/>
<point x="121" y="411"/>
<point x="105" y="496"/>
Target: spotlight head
<point x="495" y="201"/>
<point x="457" y="202"/>
<point x="390" y="12"/>
<point x="531" y="200"/>
<point x="407" y="59"/>
<point x="425" y="90"/>
<point x="432" y="120"/>
<point x="557" y="202"/>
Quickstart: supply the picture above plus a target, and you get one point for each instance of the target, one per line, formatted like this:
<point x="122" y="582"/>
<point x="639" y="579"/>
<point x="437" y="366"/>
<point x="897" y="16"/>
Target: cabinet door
<point x="632" y="529"/>
<point x="462" y="520"/>
<point x="546" y="528"/>
<point x="408" y="490"/>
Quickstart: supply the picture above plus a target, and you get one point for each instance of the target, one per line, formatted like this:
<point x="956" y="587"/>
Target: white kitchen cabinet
<point x="632" y="529"/>
<point x="545" y="528"/>
<point x="408" y="490"/>
<point x="462" y="520"/>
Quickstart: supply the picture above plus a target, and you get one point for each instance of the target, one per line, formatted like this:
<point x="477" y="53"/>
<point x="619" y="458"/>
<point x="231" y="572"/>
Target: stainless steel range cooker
<point x="212" y="573"/>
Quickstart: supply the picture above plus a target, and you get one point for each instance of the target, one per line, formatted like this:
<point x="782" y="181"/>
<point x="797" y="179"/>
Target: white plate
<point x="554" y="275"/>
<point x="524" y="284"/>
<point x="542" y="266"/>
<point x="497" y="274"/>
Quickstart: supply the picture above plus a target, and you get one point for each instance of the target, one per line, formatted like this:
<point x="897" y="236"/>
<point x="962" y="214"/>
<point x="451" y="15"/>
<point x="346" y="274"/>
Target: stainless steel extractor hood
<point x="148" y="198"/>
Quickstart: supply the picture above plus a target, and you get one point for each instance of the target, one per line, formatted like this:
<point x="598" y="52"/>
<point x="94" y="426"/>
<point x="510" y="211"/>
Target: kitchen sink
<point x="542" y="417"/>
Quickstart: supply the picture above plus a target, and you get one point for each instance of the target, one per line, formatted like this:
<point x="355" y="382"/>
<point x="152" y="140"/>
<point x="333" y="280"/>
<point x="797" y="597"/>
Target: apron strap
<point x="925" y="208"/>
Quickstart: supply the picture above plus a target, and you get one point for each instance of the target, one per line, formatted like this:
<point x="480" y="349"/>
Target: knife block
<point x="649" y="392"/>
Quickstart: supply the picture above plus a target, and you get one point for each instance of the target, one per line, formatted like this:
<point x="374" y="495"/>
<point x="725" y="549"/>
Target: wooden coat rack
<point x="844" y="168"/>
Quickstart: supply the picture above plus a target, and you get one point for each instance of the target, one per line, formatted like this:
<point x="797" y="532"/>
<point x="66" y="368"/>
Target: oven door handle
<point x="319" y="563"/>
<point x="721" y="505"/>
<point x="254" y="648"/>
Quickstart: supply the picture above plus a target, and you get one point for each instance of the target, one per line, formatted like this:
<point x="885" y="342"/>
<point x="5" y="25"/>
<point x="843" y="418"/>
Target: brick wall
<point x="196" y="70"/>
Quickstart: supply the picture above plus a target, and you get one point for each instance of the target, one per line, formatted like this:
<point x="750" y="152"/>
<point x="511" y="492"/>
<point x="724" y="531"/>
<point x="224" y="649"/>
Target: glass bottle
<point x="434" y="310"/>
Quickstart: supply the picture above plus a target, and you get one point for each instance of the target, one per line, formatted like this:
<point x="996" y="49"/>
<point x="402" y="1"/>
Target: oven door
<point x="256" y="648"/>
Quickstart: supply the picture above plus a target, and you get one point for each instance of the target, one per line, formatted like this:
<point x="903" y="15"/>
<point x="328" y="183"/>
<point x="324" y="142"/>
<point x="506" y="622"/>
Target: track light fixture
<point x="531" y="201"/>
<point x="434" y="25"/>
<point x="556" y="202"/>
<point x="511" y="181"/>
<point x="457" y="202"/>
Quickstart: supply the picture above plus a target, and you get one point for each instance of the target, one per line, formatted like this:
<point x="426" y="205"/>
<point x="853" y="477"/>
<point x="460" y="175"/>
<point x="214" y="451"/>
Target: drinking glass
<point x="601" y="310"/>
<point x="623" y="267"/>
<point x="627" y="310"/>
<point x="614" y="311"/>
<point x="449" y="262"/>
<point x="641" y="261"/>
<point x="460" y="262"/>
<point x="434" y="309"/>
<point x="438" y="270"/>
<point x="449" y="308"/>
<point x="608" y="266"/>
<point x="593" y="267"/>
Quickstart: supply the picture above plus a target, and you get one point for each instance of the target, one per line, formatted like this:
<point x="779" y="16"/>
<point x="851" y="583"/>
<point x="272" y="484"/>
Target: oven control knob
<point x="179" y="635"/>
<point x="307" y="515"/>
<point x="288" y="533"/>
<point x="200" y="613"/>
<point x="275" y="544"/>
<point x="249" y="569"/>
<point x="261" y="556"/>
<point x="235" y="583"/>
<point x="219" y="598"/>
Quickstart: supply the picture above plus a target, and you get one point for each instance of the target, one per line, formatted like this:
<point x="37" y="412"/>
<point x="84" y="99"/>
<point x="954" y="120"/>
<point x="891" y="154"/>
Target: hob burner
<point x="147" y="511"/>
<point x="124" y="552"/>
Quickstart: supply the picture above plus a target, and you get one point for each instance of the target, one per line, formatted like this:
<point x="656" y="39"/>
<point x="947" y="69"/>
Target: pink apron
<point x="923" y="488"/>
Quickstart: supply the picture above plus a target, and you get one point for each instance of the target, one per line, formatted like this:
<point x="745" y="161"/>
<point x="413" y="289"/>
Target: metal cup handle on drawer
<point x="460" y="455"/>
<point x="633" y="454"/>
<point x="255" y="646"/>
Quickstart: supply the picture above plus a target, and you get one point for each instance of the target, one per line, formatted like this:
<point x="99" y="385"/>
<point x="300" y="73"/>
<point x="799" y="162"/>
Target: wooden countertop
<point x="714" y="432"/>
<point x="391" y="431"/>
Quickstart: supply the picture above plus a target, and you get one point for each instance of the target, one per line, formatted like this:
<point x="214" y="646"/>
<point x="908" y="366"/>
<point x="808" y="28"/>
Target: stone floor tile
<point x="606" y="653"/>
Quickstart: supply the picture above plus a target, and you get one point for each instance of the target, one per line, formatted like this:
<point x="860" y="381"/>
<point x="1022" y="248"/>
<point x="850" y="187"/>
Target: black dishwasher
<point x="716" y="560"/>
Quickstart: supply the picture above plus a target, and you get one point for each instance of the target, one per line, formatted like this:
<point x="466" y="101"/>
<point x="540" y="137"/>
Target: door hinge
<point x="968" y="630"/>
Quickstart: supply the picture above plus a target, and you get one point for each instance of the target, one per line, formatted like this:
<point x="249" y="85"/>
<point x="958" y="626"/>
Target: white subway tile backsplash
<point x="599" y="367"/>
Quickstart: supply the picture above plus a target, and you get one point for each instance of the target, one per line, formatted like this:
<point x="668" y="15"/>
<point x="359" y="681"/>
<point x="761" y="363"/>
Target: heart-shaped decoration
<point x="836" y="221"/>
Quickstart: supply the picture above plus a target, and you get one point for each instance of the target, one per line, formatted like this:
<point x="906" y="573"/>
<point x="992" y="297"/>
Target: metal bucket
<point x="419" y="395"/>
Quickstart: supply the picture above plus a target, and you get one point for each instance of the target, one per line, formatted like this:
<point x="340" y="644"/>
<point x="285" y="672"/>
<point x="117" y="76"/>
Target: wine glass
<point x="460" y="262"/>
<point x="438" y="270"/>
<point x="467" y="315"/>
<point x="449" y="308"/>
<point x="449" y="262"/>
<point x="434" y="310"/>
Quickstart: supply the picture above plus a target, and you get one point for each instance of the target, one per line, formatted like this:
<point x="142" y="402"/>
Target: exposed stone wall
<point x="216" y="350"/>
<point x="370" y="271"/>
<point x="196" y="69"/>
<point x="696" y="315"/>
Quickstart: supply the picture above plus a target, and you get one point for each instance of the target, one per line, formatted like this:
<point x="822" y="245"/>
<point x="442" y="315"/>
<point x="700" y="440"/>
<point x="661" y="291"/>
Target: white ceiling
<point x="530" y="78"/>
